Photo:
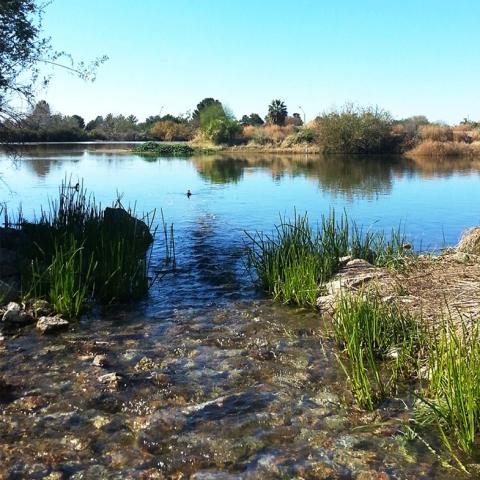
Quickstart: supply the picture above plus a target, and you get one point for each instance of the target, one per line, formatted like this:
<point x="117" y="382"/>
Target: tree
<point x="22" y="51"/>
<point x="206" y="103"/>
<point x="277" y="112"/>
<point x="252" y="119"/>
<point x="80" y="121"/>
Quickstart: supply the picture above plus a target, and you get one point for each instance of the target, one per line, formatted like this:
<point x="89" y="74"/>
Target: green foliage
<point x="164" y="150"/>
<point x="288" y="265"/>
<point x="206" y="103"/>
<point x="292" y="264"/>
<point x="76" y="248"/>
<point x="277" y="112"/>
<point x="451" y="400"/>
<point x="370" y="331"/>
<point x="221" y="130"/>
<point x="69" y="277"/>
<point x="356" y="130"/>
<point x="253" y="119"/>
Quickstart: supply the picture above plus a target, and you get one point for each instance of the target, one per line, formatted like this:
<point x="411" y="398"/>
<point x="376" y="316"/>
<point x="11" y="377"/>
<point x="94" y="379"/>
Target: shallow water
<point x="214" y="381"/>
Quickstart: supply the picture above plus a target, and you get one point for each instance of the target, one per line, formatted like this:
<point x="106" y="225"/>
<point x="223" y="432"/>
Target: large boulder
<point x="470" y="242"/>
<point x="119" y="219"/>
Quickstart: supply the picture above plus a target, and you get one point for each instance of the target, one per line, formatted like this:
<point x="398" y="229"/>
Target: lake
<point x="217" y="381"/>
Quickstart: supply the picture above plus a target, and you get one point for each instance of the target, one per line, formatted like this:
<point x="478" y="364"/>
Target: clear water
<point x="278" y="405"/>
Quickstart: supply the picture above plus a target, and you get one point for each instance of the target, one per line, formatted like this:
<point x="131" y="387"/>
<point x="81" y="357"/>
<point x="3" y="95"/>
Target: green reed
<point x="73" y="235"/>
<point x="451" y="400"/>
<point x="69" y="277"/>
<point x="292" y="263"/>
<point x="380" y="343"/>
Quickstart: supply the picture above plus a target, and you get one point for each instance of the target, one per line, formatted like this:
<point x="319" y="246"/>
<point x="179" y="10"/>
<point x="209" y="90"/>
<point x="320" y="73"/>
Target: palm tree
<point x="277" y="112"/>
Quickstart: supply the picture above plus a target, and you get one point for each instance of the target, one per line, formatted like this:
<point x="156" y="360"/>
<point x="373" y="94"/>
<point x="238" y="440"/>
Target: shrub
<point x="430" y="148"/>
<point x="221" y="130"/>
<point x="356" y="130"/>
<point x="169" y="130"/>
<point x="302" y="136"/>
<point x="436" y="133"/>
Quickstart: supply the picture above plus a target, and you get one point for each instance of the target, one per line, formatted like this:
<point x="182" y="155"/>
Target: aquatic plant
<point x="76" y="247"/>
<point x="69" y="277"/>
<point x="451" y="399"/>
<point x="288" y="265"/>
<point x="164" y="149"/>
<point x="380" y="343"/>
<point x="292" y="263"/>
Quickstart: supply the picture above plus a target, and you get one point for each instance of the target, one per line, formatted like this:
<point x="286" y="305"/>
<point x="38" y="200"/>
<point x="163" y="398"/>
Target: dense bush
<point x="436" y="133"/>
<point x="356" y="130"/>
<point x="169" y="130"/>
<point x="221" y="130"/>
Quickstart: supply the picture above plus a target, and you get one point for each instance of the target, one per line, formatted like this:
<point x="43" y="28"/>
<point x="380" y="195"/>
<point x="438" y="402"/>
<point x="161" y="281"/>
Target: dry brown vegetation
<point x="432" y="148"/>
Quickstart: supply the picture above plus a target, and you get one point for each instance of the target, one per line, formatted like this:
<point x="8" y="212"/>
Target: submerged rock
<point x="470" y="242"/>
<point x="55" y="324"/>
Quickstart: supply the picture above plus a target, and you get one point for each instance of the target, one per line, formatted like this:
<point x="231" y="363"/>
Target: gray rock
<point x="112" y="380"/>
<point x="100" y="361"/>
<point x="15" y="316"/>
<point x="358" y="263"/>
<point x="41" y="308"/>
<point x="47" y="325"/>
<point x="119" y="218"/>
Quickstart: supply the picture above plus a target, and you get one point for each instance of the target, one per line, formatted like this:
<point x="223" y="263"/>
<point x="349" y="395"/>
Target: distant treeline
<point x="351" y="129"/>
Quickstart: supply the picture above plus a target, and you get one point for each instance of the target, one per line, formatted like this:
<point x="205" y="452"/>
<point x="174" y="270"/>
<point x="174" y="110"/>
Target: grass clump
<point x="77" y="249"/>
<point x="293" y="263"/>
<point x="451" y="400"/>
<point x="380" y="343"/>
<point x="67" y="278"/>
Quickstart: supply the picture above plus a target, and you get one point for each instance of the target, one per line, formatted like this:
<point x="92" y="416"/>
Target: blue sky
<point x="409" y="57"/>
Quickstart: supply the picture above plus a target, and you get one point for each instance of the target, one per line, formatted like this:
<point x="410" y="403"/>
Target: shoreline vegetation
<point x="212" y="128"/>
<point x="377" y="299"/>
<point x="406" y="324"/>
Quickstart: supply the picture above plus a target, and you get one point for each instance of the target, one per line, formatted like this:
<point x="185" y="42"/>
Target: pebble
<point x="100" y="361"/>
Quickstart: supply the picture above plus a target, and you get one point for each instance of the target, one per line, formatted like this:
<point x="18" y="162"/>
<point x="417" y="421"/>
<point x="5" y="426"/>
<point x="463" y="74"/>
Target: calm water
<point x="216" y="381"/>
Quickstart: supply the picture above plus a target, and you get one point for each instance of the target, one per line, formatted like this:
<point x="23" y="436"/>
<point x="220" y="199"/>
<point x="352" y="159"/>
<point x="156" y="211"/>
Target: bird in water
<point x="189" y="193"/>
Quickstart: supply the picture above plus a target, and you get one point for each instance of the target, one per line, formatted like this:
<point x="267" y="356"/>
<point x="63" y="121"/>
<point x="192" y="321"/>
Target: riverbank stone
<point x="47" y="325"/>
<point x="16" y="316"/>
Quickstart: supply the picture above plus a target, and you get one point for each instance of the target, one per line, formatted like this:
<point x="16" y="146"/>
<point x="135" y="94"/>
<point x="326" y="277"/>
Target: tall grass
<point x="289" y="265"/>
<point x="69" y="277"/>
<point x="380" y="343"/>
<point x="76" y="248"/>
<point x="452" y="396"/>
<point x="292" y="263"/>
